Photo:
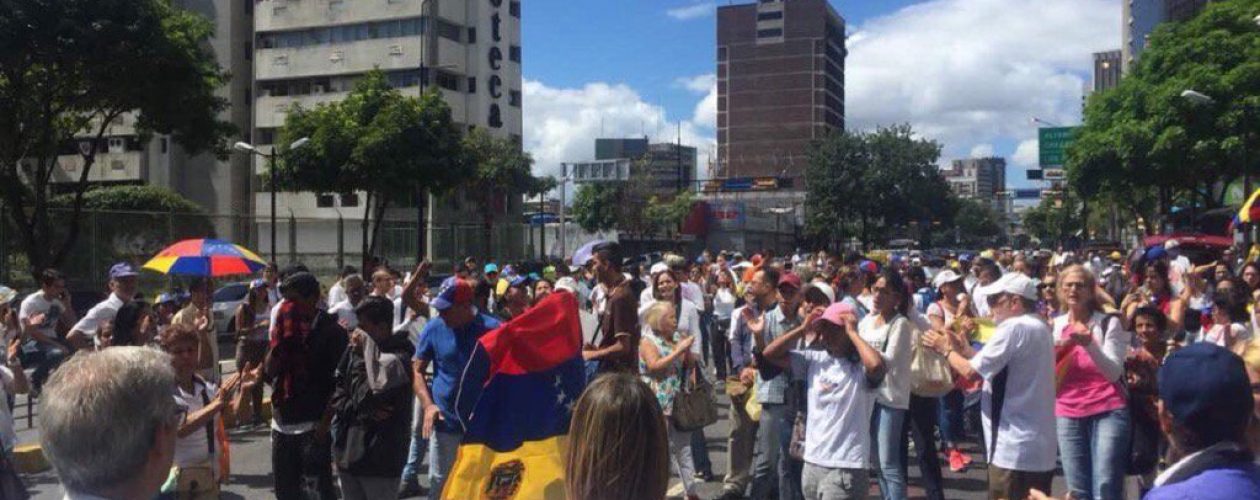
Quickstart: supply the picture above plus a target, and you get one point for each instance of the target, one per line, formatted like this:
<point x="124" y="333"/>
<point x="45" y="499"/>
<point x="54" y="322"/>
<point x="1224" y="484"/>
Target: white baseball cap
<point x="658" y="267"/>
<point x="1012" y="283"/>
<point x="825" y="289"/>
<point x="946" y="276"/>
<point x="1171" y="244"/>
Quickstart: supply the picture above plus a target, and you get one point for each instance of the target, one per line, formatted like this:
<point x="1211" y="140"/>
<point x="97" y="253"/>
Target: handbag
<point x="694" y="405"/>
<point x="929" y="374"/>
<point x="753" y="405"/>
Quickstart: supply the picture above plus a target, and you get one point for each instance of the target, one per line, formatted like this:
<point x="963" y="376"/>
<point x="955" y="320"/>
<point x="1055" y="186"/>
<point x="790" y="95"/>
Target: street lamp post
<point x="246" y="147"/>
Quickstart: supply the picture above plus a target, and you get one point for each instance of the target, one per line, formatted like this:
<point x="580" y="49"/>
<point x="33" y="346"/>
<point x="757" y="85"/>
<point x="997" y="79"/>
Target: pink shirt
<point x="1084" y="388"/>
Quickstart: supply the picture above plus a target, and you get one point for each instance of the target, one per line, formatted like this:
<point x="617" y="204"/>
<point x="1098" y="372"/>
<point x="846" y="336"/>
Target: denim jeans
<point x="951" y="419"/>
<point x="442" y="449"/>
<point x="419" y="445"/>
<point x="46" y="357"/>
<point x="302" y="466"/>
<point x="1094" y="452"/>
<point x="887" y="435"/>
<point x="700" y="452"/>
<point x="680" y="459"/>
<point x="770" y="459"/>
<point x="721" y="347"/>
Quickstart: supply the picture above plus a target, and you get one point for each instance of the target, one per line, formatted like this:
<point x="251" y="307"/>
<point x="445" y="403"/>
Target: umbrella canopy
<point x="584" y="254"/>
<point x="205" y="257"/>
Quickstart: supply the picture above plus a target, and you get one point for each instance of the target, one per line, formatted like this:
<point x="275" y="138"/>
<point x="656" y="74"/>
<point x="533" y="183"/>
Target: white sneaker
<point x="677" y="490"/>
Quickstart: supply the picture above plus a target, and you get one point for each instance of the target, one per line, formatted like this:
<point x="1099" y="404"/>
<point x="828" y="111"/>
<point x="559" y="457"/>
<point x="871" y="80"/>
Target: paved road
<point x="251" y="463"/>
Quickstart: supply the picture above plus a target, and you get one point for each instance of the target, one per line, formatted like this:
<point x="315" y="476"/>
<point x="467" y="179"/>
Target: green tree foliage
<point x="667" y="216"/>
<point x="1053" y="220"/>
<point x="861" y="184"/>
<point x="1142" y="144"/>
<point x="500" y="170"/>
<point x="595" y="206"/>
<point x="378" y="141"/>
<point x="978" y="224"/>
<point x="75" y="68"/>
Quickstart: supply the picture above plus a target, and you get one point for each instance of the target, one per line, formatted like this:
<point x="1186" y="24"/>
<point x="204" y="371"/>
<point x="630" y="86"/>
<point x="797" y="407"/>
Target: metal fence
<point x="323" y="245"/>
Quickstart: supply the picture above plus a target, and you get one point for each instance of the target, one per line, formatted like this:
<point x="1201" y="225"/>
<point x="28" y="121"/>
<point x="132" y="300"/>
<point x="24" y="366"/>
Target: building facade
<point x="1107" y="70"/>
<point x="982" y="179"/>
<point x="780" y="81"/>
<point x="1141" y="17"/>
<point x="221" y="186"/>
<point x="309" y="52"/>
<point x="667" y="167"/>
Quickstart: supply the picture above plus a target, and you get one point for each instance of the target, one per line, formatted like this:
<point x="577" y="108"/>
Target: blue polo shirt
<point x="448" y="350"/>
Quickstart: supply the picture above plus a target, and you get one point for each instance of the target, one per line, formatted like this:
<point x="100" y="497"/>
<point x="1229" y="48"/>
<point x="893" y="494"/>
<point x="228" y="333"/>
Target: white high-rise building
<point x="312" y="51"/>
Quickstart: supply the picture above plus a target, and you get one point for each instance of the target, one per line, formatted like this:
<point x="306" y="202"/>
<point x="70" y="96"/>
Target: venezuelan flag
<point x="514" y="403"/>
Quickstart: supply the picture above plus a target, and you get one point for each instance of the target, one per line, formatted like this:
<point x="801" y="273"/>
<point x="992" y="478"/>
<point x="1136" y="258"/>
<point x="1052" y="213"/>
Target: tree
<point x="500" y="169"/>
<point x="76" y="68"/>
<point x="595" y="206"/>
<point x="1143" y="144"/>
<point x="977" y="222"/>
<point x="668" y="216"/>
<point x="861" y="184"/>
<point x="378" y="141"/>
<point x="1053" y="220"/>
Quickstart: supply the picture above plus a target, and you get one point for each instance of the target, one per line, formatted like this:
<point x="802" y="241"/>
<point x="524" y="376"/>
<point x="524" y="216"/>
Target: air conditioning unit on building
<point x="395" y="50"/>
<point x="336" y="56"/>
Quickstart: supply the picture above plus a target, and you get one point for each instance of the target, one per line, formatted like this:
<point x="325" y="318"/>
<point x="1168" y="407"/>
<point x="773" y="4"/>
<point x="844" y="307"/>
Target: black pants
<point x="721" y="347"/>
<point x="302" y="467"/>
<point x="922" y="427"/>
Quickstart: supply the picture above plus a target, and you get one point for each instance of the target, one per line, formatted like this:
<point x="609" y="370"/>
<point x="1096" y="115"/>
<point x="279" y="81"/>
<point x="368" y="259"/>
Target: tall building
<point x="1183" y="10"/>
<point x="780" y="80"/>
<point x="311" y="52"/>
<point x="221" y="186"/>
<point x="667" y="167"/>
<point x="1140" y="17"/>
<point x="982" y="179"/>
<point x="1107" y="69"/>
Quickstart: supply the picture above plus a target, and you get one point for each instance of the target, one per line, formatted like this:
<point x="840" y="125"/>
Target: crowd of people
<point x="838" y="369"/>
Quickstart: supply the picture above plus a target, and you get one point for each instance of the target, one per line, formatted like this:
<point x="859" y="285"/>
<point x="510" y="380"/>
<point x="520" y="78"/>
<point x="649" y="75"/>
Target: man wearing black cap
<point x="1205" y="404"/>
<point x="306" y="345"/>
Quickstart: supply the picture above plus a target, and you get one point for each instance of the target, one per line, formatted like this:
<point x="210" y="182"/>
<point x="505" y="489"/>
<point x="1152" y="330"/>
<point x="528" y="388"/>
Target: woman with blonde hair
<point x="1090" y="405"/>
<point x="665" y="357"/>
<point x="617" y="443"/>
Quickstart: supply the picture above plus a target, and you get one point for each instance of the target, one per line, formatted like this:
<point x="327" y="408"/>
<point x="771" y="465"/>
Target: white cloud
<point x="561" y="124"/>
<point x="691" y="11"/>
<point x="971" y="73"/>
<point x="1026" y="154"/>
<point x="982" y="151"/>
<point x="698" y="84"/>
<point x="705" y="114"/>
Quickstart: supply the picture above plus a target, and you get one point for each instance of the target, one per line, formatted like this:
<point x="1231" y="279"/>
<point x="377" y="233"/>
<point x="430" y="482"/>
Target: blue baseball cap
<point x="1205" y="388"/>
<point x="167" y="298"/>
<point x="1155" y="253"/>
<point x="453" y="291"/>
<point x="122" y="270"/>
<point x="491" y="268"/>
<point x="257" y="284"/>
<point x="519" y="280"/>
<point x="965" y="257"/>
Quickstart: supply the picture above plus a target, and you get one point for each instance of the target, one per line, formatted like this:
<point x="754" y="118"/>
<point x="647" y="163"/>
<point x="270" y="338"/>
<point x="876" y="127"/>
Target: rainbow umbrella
<point x="1249" y="213"/>
<point x="205" y="257"/>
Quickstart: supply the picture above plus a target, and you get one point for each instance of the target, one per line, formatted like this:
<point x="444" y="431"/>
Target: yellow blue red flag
<point x="514" y="402"/>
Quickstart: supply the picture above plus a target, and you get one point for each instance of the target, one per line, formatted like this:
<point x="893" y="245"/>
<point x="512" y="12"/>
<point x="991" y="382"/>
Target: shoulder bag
<point x="694" y="405"/>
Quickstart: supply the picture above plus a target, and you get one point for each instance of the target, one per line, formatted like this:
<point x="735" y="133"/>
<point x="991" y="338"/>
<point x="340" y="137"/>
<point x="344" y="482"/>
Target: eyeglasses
<point x="994" y="300"/>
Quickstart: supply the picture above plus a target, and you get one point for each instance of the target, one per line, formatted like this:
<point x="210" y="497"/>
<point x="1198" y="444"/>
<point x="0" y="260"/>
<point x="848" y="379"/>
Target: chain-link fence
<point x="323" y="245"/>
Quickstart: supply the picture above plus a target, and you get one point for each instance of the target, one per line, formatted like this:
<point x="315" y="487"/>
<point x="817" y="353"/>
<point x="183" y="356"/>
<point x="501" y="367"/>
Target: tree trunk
<point x="381" y="205"/>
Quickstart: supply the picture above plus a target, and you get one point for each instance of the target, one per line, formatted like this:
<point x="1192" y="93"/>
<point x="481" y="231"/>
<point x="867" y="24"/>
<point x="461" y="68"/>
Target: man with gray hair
<point x="108" y="423"/>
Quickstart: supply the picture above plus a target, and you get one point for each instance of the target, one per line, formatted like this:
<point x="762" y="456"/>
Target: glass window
<point x="447" y="81"/>
<point x="324" y="200"/>
<point x="514" y="8"/>
<point x="514" y="98"/>
<point x="773" y="32"/>
<point x="514" y="53"/>
<point x="763" y="16"/>
<point x="472" y="85"/>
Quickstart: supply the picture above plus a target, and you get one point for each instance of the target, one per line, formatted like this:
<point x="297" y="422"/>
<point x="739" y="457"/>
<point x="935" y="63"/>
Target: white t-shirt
<point x="194" y="448"/>
<point x="103" y="311"/>
<point x="1025" y="440"/>
<point x="981" y="303"/>
<point x="723" y="303"/>
<point x="692" y="292"/>
<point x="346" y="317"/>
<point x="8" y="436"/>
<point x="838" y="428"/>
<point x="939" y="311"/>
<point x="337" y="293"/>
<point x="894" y="341"/>
<point x="1216" y="334"/>
<point x="35" y="304"/>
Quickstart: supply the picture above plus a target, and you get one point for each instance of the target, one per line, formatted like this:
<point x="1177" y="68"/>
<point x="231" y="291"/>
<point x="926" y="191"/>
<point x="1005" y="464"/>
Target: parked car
<point x="225" y="301"/>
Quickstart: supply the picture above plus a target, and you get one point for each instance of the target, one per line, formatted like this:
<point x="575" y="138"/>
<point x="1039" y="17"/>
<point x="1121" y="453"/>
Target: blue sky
<point x="968" y="73"/>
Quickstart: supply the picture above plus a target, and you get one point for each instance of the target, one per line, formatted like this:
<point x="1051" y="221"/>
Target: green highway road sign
<point x="1053" y="143"/>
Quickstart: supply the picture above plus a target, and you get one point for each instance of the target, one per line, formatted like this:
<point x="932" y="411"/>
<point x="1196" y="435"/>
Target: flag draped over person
<point x="514" y="403"/>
